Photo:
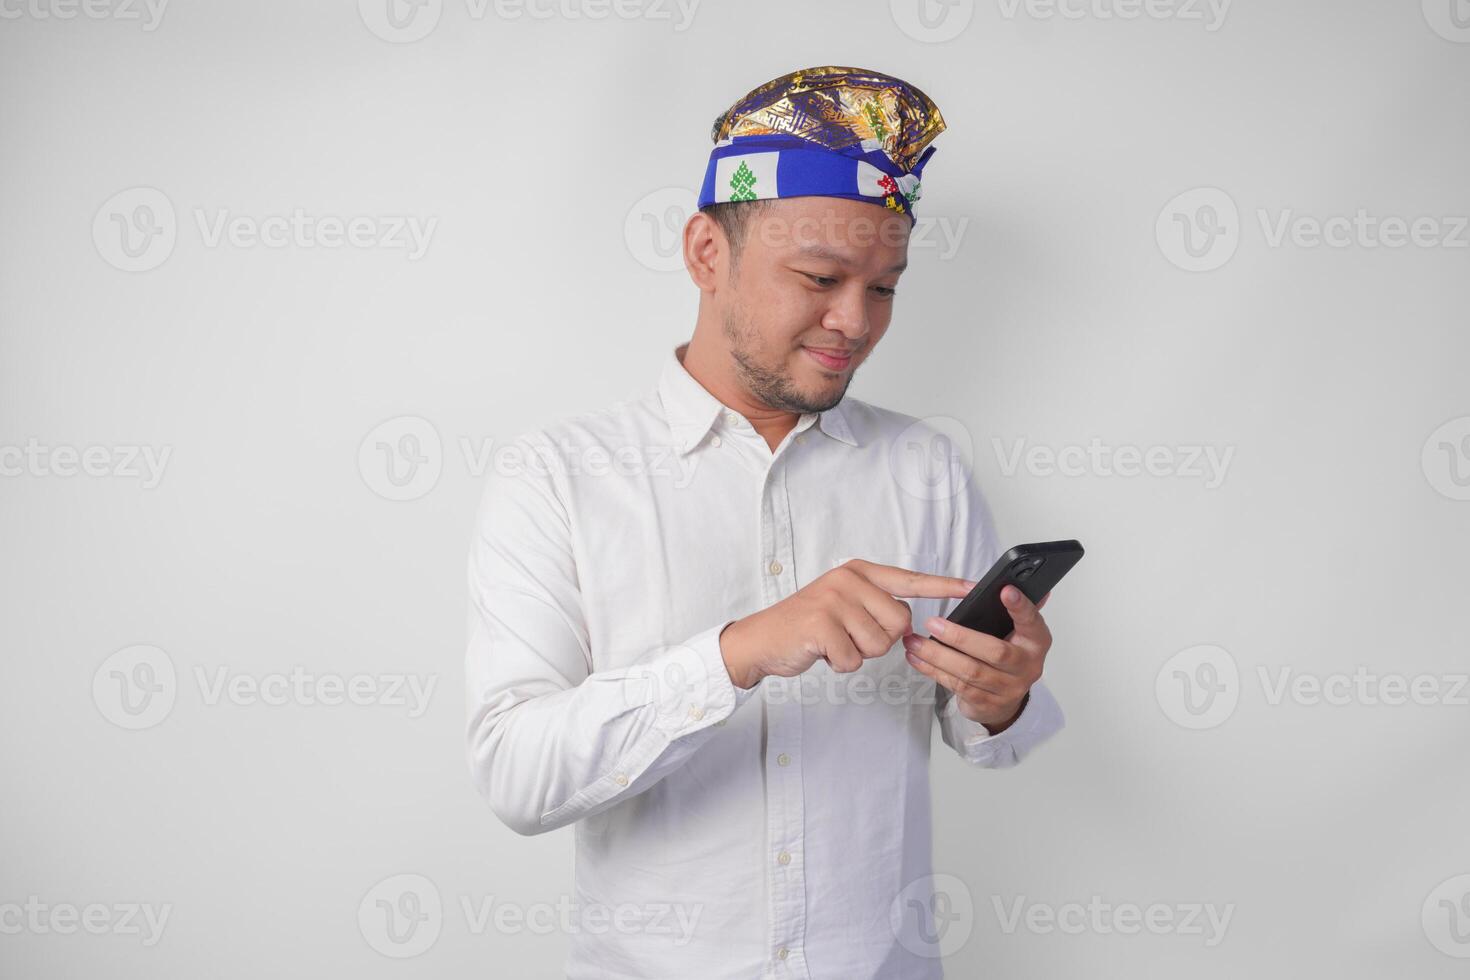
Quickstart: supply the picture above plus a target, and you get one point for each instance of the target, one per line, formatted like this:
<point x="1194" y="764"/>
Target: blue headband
<point x="757" y="167"/>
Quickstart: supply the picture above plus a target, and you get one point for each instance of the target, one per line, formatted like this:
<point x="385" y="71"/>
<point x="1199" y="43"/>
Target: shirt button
<point x="715" y="442"/>
<point x="801" y="437"/>
<point x="620" y="779"/>
<point x="783" y="759"/>
<point x="696" y="712"/>
<point x="782" y="953"/>
<point x="775" y="568"/>
<point x="783" y="858"/>
<point x="732" y="418"/>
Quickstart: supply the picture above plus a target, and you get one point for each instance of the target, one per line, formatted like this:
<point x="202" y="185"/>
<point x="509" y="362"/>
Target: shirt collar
<point x="691" y="410"/>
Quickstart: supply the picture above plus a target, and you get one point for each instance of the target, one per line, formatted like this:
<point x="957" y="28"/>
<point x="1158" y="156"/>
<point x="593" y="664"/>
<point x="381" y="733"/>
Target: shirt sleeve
<point x="551" y="740"/>
<point x="974" y="549"/>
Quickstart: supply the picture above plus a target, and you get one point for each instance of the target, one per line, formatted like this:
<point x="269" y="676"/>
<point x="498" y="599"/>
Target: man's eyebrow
<point x="823" y="252"/>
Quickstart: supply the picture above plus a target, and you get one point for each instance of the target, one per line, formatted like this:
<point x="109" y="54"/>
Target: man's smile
<point x="831" y="358"/>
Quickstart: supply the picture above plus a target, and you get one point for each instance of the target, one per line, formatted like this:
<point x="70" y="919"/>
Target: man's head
<point x="802" y="290"/>
<point x="803" y="228"/>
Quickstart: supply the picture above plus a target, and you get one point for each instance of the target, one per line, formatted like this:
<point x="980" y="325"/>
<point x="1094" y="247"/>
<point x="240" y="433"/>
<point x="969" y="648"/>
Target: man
<point x="686" y="608"/>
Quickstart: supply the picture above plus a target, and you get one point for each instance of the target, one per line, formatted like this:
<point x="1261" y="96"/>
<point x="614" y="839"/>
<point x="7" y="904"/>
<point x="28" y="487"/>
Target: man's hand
<point x="991" y="678"/>
<point x="846" y="616"/>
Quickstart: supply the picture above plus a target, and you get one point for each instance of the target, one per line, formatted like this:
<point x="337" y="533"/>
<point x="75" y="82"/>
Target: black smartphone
<point x="1035" y="569"/>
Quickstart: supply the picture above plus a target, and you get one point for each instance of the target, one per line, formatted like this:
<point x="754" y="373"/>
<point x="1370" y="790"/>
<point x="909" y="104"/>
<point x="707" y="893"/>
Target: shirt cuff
<point x="692" y="689"/>
<point x="1041" y="718"/>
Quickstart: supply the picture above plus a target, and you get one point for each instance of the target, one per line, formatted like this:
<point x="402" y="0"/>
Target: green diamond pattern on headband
<point x="741" y="184"/>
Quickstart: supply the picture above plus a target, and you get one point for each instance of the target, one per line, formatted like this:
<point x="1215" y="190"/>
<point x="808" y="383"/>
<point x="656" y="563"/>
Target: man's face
<point x="811" y="297"/>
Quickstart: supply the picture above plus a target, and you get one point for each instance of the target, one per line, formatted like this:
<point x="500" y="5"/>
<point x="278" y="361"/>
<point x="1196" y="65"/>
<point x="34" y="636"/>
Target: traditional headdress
<point x="830" y="131"/>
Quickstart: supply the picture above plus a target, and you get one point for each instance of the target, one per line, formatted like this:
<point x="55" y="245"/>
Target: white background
<point x="557" y="158"/>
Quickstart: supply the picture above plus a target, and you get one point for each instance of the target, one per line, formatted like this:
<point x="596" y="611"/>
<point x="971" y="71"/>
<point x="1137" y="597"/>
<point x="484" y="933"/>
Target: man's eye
<point x="885" y="292"/>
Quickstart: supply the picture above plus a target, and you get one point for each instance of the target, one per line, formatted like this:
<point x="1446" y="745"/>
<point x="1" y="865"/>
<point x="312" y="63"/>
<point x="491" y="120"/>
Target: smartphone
<point x="1035" y="569"/>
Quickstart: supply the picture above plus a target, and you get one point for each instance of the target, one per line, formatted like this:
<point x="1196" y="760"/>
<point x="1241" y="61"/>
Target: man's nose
<point x="848" y="314"/>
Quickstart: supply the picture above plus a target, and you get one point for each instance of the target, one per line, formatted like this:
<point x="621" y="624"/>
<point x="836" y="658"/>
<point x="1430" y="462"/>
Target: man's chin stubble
<point x="776" y="391"/>
<point x="771" y="388"/>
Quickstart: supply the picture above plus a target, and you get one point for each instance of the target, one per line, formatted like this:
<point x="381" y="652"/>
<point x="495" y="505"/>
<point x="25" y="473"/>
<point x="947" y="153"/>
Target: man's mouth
<point x="833" y="359"/>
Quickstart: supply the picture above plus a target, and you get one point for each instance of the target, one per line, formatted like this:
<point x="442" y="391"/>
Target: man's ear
<point x="706" y="250"/>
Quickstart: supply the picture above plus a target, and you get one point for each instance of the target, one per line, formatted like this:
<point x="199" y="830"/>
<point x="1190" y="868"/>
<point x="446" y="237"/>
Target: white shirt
<point x="781" y="831"/>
